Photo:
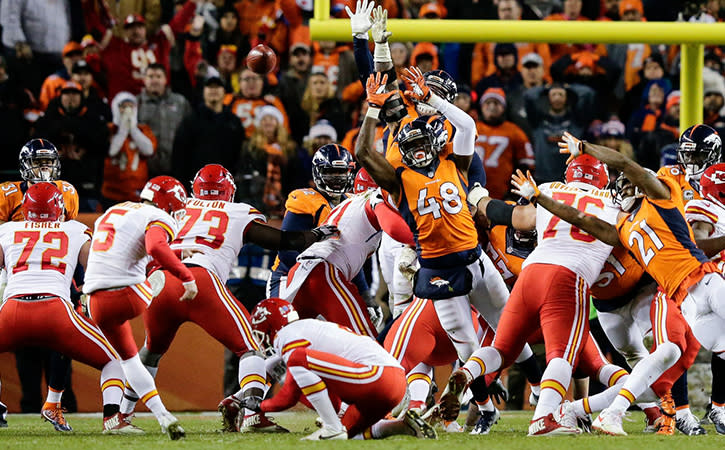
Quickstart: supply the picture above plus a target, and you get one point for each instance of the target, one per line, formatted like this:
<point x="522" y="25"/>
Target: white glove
<point x="525" y="186"/>
<point x="360" y="19"/>
<point x="380" y="24"/>
<point x="376" y="316"/>
<point x="476" y="193"/>
<point x="570" y="145"/>
<point x="190" y="291"/>
<point x="408" y="262"/>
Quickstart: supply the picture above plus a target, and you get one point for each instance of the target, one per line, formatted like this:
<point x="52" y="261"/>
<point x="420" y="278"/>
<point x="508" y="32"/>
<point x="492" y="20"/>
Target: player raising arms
<point x="328" y="364"/>
<point x="39" y="161"/>
<point x="40" y="254"/>
<point x="653" y="228"/>
<point x="126" y="237"/>
<point x="213" y="232"/>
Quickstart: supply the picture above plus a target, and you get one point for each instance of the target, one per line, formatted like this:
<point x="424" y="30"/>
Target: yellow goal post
<point x="692" y="38"/>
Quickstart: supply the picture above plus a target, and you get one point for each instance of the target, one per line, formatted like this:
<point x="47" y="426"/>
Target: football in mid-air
<point x="261" y="59"/>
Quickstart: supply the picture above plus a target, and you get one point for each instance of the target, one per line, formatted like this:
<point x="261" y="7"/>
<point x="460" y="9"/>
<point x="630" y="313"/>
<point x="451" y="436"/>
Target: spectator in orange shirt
<point x="630" y="58"/>
<point x="126" y="171"/>
<point x="482" y="64"/>
<point x="72" y="52"/>
<point x="502" y="146"/>
<point x="336" y="61"/>
<point x="572" y="11"/>
<point x="250" y="97"/>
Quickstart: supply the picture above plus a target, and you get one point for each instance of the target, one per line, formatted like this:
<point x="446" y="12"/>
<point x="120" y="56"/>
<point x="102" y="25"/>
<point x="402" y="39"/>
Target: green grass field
<point x="29" y="431"/>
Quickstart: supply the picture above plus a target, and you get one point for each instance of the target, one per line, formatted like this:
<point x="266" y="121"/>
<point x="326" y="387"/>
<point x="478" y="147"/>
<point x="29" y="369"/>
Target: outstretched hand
<point x="360" y="21"/>
<point x="524" y="186"/>
<point x="375" y="88"/>
<point x="570" y="145"/>
<point x="417" y="89"/>
<point x="380" y="25"/>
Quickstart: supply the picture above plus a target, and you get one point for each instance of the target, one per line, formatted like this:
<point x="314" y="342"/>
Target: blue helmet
<point x="699" y="148"/>
<point x="442" y="84"/>
<point x="333" y="169"/>
<point x="39" y="161"/>
<point x="418" y="142"/>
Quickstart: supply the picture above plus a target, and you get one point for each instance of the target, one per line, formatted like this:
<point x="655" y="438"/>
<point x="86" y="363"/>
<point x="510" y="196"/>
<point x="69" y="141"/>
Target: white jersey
<point x="331" y="338"/>
<point x="215" y="229"/>
<point x="41" y="257"/>
<point x="708" y="212"/>
<point x="118" y="255"/>
<point x="565" y="245"/>
<point x="358" y="237"/>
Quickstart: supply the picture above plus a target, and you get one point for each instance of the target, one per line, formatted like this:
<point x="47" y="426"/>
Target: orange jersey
<point x="483" y="63"/>
<point x="11" y="200"/>
<point x="620" y="275"/>
<point x="435" y="209"/>
<point x="502" y="148"/>
<point x="662" y="241"/>
<point x="310" y="202"/>
<point x="350" y="139"/>
<point x="676" y="174"/>
<point x="125" y="174"/>
<point x="246" y="109"/>
<point x="504" y="253"/>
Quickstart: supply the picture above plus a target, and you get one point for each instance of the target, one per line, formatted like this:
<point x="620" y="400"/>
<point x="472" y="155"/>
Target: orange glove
<point x="418" y="90"/>
<point x="375" y="88"/>
<point x="570" y="145"/>
<point x="525" y="186"/>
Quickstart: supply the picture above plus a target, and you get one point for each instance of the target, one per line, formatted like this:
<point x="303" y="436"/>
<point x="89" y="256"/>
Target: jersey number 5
<point x="106" y="226"/>
<point x="451" y="201"/>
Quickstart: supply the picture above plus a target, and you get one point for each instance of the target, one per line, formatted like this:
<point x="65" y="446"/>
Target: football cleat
<point x="665" y="425"/>
<point x="651" y="415"/>
<point x="717" y="417"/>
<point x="327" y="434"/>
<point x="421" y="429"/>
<point x="548" y="426"/>
<point x="585" y="423"/>
<point x="229" y="409"/>
<point x="3" y="415"/>
<point x="452" y="427"/>
<point x="418" y="406"/>
<point x="55" y="416"/>
<point x="120" y="424"/>
<point x="450" y="402"/>
<point x="258" y="423"/>
<point x="486" y="419"/>
<point x="170" y="425"/>
<point x="689" y="425"/>
<point x="609" y="422"/>
<point x="566" y="416"/>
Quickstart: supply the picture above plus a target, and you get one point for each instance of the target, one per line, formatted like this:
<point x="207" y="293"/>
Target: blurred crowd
<point x="130" y="89"/>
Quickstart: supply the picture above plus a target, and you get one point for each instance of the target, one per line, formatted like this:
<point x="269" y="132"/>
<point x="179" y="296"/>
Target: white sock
<point x="454" y="315"/>
<point x="419" y="383"/>
<point x="384" y="428"/>
<point x="53" y="396"/>
<point x="252" y="373"/>
<point x="554" y="384"/>
<point x="645" y="373"/>
<point x="320" y="400"/>
<point x="112" y="383"/>
<point x="143" y="383"/>
<point x="482" y="361"/>
<point x="680" y="413"/>
<point x="610" y="375"/>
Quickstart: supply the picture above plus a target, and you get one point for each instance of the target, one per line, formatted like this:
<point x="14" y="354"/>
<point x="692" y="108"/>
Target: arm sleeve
<point x="476" y="172"/>
<point x="393" y="224"/>
<point x="363" y="59"/>
<point x="360" y="282"/>
<point x="157" y="246"/>
<point x="182" y="18"/>
<point x="294" y="222"/>
<point x="465" y="137"/>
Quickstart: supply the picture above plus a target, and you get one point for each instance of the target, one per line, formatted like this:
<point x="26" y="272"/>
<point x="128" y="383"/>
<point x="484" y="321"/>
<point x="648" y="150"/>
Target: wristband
<point x="476" y="194"/>
<point x="499" y="212"/>
<point x="382" y="53"/>
<point x="361" y="35"/>
<point x="373" y="113"/>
